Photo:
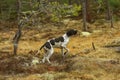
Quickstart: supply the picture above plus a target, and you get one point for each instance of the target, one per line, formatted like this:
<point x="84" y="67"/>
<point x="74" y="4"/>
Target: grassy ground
<point x="82" y="62"/>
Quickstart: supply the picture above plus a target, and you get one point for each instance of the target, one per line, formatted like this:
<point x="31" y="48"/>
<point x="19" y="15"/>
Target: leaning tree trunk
<point x="20" y="24"/>
<point x="18" y="33"/>
<point x="84" y="15"/>
<point x="16" y="40"/>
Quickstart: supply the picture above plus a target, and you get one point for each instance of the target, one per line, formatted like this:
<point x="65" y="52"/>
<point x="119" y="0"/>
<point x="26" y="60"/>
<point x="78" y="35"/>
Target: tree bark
<point x="109" y="13"/>
<point x="16" y="40"/>
<point x="111" y="19"/>
<point x="88" y="16"/>
<point x="18" y="9"/>
<point x="69" y="2"/>
<point x="18" y="33"/>
<point x="84" y="15"/>
<point x="108" y="9"/>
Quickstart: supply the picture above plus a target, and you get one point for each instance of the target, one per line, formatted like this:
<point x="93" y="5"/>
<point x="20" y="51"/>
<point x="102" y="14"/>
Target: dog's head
<point x="71" y="32"/>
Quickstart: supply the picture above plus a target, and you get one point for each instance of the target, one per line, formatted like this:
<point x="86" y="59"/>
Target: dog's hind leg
<point x="45" y="55"/>
<point x="49" y="54"/>
<point x="44" y="58"/>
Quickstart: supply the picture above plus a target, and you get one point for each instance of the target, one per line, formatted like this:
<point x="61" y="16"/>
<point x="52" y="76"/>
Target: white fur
<point x="62" y="45"/>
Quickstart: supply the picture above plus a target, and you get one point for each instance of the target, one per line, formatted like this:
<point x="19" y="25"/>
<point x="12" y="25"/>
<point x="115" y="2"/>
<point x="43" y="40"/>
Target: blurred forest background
<point x="54" y="11"/>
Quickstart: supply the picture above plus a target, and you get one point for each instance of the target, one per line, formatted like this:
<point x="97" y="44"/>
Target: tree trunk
<point x="109" y="13"/>
<point x="108" y="9"/>
<point x="88" y="16"/>
<point x="18" y="9"/>
<point x="16" y="40"/>
<point x="18" y="33"/>
<point x="111" y="19"/>
<point x="69" y="2"/>
<point x="84" y="15"/>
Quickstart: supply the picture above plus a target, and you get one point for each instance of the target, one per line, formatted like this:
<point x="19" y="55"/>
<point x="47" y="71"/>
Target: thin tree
<point x="109" y="12"/>
<point x="69" y="2"/>
<point x="108" y="9"/>
<point x="84" y="15"/>
<point x="20" y="24"/>
<point x="18" y="33"/>
<point x="88" y="16"/>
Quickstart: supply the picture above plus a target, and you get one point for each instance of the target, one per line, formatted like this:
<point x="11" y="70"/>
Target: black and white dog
<point x="60" y="42"/>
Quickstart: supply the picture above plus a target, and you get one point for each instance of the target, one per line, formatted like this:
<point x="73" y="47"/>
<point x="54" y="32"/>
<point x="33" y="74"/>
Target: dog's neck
<point x="65" y="36"/>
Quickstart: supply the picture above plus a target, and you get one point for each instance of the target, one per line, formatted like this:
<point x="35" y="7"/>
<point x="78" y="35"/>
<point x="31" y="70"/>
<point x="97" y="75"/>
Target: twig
<point x="93" y="46"/>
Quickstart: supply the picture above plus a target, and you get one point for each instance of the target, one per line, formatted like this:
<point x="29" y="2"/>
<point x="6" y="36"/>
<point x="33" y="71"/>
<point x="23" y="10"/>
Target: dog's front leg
<point x="67" y="50"/>
<point x="64" y="53"/>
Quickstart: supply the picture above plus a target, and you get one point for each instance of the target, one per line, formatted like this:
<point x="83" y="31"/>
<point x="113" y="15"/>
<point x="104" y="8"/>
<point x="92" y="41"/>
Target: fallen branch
<point x="93" y="46"/>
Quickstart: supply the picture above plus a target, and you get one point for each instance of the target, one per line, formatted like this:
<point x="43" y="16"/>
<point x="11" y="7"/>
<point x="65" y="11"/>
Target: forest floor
<point x="82" y="62"/>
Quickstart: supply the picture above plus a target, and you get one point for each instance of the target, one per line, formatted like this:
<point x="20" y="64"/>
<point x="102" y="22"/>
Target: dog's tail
<point x="40" y="49"/>
<point x="42" y="46"/>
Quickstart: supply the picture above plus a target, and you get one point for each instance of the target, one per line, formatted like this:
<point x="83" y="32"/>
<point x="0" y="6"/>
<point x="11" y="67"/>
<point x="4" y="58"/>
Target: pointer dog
<point x="60" y="42"/>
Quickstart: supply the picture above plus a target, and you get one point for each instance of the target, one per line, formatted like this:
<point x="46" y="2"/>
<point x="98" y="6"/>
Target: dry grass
<point x="82" y="62"/>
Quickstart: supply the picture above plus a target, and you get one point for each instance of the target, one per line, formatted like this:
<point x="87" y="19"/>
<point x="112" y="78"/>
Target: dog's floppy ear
<point x="75" y="32"/>
<point x="71" y="32"/>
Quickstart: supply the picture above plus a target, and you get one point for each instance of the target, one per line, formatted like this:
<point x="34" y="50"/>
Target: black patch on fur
<point x="71" y="32"/>
<point x="52" y="42"/>
<point x="65" y="53"/>
<point x="47" y="45"/>
<point x="59" y="39"/>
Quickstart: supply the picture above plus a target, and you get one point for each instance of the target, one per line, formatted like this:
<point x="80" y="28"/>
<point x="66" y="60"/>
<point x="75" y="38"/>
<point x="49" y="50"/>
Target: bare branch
<point x="93" y="46"/>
